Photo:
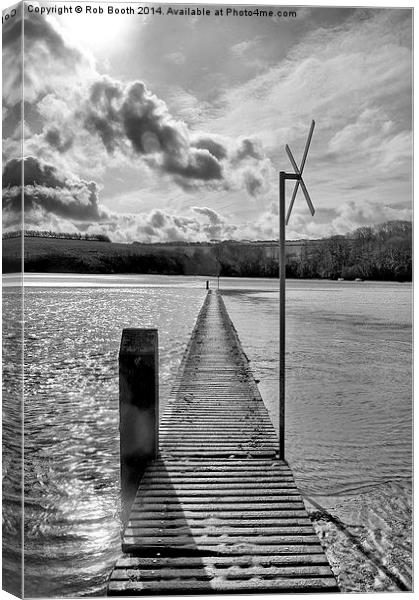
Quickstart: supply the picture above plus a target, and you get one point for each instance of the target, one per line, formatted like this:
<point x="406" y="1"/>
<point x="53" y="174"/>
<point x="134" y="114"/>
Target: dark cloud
<point x="102" y="115"/>
<point x="253" y="182"/>
<point x="77" y="203"/>
<point x="12" y="174"/>
<point x="149" y="126"/>
<point x="216" y="148"/>
<point x="217" y="228"/>
<point x="247" y="148"/>
<point x="158" y="219"/>
<point x="35" y="173"/>
<point x="48" y="55"/>
<point x="186" y="224"/>
<point x="248" y="159"/>
<point x="214" y="217"/>
<point x="119" y="113"/>
<point x="202" y="165"/>
<point x="47" y="191"/>
<point x="126" y="117"/>
<point x="130" y="114"/>
<point x="161" y="226"/>
<point x="57" y="140"/>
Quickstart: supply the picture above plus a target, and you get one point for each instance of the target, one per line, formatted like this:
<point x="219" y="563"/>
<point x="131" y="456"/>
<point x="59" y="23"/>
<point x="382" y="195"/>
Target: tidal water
<point x="348" y="414"/>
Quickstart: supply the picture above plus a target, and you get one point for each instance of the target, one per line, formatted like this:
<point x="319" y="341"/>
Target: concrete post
<point x="138" y="408"/>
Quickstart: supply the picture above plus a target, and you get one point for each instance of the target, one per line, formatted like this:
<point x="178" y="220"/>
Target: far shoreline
<point x="385" y="254"/>
<point x="59" y="279"/>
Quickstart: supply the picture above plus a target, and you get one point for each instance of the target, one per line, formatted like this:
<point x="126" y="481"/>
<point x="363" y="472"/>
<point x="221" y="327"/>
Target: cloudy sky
<point x="169" y="128"/>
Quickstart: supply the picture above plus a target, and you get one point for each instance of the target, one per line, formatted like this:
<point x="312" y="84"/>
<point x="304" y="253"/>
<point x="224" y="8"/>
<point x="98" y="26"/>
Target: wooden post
<point x="138" y="408"/>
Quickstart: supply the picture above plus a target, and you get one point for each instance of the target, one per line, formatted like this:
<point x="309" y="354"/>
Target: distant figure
<point x="207" y="285"/>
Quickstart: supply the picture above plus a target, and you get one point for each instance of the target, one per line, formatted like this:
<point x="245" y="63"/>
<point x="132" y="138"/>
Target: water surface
<point x="348" y="413"/>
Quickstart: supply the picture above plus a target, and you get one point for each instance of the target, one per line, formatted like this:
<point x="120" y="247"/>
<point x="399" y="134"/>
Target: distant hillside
<point x="380" y="252"/>
<point x="46" y="254"/>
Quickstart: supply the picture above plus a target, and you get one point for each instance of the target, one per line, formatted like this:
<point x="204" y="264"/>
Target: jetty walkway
<point x="217" y="510"/>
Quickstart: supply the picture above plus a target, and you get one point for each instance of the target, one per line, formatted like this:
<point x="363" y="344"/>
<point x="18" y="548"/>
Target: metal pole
<point x="282" y="177"/>
<point x="219" y="265"/>
<point x="297" y="176"/>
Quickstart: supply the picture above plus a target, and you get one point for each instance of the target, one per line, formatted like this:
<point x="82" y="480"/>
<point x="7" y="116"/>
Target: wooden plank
<point x="225" y="479"/>
<point x="255" y="585"/>
<point x="233" y="550"/>
<point x="236" y="453"/>
<point x="211" y="532"/>
<point x="218" y="489"/>
<point x="199" y="505"/>
<point x="256" y="516"/>
<point x="209" y="521"/>
<point x="220" y="561"/>
<point x="222" y="476"/>
<point x="216" y="501"/>
<point x="219" y="465"/>
<point x="174" y="539"/>
<point x="172" y="573"/>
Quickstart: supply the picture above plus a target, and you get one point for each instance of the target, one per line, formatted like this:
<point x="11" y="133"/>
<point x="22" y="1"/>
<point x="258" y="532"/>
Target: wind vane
<point x="298" y="178"/>
<point x="299" y="171"/>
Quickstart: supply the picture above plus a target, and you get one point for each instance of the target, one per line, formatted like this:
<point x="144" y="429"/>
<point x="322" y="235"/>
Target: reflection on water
<point x="72" y="337"/>
<point x="348" y="414"/>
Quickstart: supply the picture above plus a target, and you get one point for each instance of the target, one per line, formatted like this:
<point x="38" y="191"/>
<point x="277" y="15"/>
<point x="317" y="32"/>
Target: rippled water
<point x="348" y="414"/>
<point x="72" y="337"/>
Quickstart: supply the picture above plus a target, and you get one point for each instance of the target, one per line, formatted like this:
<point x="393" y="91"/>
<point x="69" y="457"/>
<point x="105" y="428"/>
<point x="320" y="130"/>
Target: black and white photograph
<point x="207" y="298"/>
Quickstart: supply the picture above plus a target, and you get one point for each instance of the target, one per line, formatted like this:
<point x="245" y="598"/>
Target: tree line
<point x="381" y="252"/>
<point x="96" y="237"/>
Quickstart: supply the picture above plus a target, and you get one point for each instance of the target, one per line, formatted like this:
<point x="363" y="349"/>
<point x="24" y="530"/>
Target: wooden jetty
<point x="216" y="509"/>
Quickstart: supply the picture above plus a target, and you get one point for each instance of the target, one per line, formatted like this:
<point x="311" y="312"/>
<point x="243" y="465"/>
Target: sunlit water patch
<point x="72" y="337"/>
